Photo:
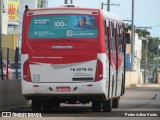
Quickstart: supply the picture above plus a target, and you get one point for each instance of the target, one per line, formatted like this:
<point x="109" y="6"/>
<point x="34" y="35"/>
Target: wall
<point x="10" y="93"/>
<point x="133" y="78"/>
<point x="158" y="78"/>
<point x="9" y="41"/>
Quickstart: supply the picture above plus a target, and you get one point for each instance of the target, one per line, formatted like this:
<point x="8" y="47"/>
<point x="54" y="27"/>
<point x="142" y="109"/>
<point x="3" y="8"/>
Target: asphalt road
<point x="135" y="101"/>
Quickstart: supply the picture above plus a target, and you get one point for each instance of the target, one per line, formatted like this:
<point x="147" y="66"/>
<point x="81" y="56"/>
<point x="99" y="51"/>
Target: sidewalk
<point x="14" y="108"/>
<point x="146" y="85"/>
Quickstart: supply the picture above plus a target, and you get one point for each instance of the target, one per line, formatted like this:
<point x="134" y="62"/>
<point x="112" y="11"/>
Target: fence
<point x="8" y="56"/>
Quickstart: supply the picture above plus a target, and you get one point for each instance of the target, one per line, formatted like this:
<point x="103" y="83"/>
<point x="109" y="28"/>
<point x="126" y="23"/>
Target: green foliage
<point x="142" y="32"/>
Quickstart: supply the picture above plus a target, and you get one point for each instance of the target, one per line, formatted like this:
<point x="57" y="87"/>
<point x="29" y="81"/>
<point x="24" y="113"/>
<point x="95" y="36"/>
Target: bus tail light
<point x="26" y="72"/>
<point x="99" y="71"/>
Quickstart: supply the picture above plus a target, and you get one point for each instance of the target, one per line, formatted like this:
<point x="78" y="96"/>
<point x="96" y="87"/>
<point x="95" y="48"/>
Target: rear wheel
<point x="96" y="106"/>
<point x="36" y="105"/>
<point x="116" y="102"/>
<point x="47" y="106"/>
<point x="123" y="85"/>
<point x="56" y="104"/>
<point x="107" y="106"/>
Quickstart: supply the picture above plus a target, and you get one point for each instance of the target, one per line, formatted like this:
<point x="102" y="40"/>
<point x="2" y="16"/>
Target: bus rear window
<point x="66" y="26"/>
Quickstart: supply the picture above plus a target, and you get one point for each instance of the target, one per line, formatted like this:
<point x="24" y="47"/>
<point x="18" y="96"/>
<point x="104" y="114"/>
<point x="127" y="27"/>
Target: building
<point x="134" y="76"/>
<point x="32" y="4"/>
<point x="12" y="23"/>
<point x="137" y="54"/>
<point x="4" y="16"/>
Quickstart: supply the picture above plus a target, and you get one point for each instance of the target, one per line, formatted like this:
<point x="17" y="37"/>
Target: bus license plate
<point x="63" y="89"/>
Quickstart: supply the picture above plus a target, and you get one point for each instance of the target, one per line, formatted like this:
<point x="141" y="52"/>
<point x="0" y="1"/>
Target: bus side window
<point x="110" y="29"/>
<point x="106" y="36"/>
<point x="105" y="29"/>
<point x="112" y="40"/>
<point x="119" y="36"/>
<point x="113" y="29"/>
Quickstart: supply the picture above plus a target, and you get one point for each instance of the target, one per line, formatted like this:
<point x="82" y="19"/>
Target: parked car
<point x="5" y="72"/>
<point x="13" y="68"/>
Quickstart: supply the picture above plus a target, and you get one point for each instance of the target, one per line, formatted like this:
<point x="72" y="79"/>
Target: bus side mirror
<point x="127" y="38"/>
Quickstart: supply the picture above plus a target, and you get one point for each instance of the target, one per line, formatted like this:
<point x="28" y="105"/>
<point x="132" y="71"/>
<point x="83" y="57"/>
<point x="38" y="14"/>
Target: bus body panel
<point x="120" y="76"/>
<point x="27" y="87"/>
<point x="74" y="88"/>
<point x="63" y="72"/>
<point x="82" y="87"/>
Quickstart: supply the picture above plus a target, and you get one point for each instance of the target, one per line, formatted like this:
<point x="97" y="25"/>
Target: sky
<point x="146" y="12"/>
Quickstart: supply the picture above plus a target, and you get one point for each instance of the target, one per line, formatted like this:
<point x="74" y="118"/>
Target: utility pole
<point x="145" y="70"/>
<point x="1" y="25"/>
<point x="71" y="1"/>
<point x="41" y="6"/>
<point x="108" y="5"/>
<point x="65" y="1"/>
<point x="133" y="34"/>
<point x="146" y="54"/>
<point x="108" y="8"/>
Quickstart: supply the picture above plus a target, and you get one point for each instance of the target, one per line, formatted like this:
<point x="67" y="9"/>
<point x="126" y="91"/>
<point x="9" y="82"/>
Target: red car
<point x="5" y="73"/>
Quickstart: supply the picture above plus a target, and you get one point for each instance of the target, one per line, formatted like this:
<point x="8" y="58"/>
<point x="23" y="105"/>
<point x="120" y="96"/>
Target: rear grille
<point x="83" y="79"/>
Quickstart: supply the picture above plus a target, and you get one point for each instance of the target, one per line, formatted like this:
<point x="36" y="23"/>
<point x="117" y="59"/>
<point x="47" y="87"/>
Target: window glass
<point x="119" y="32"/>
<point x="112" y="38"/>
<point x="106" y="35"/>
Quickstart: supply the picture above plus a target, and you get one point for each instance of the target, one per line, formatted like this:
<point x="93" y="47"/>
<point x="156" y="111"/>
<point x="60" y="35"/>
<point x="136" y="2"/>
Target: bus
<point x="72" y="55"/>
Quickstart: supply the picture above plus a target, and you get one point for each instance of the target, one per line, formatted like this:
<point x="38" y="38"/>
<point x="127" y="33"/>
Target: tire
<point x="123" y="85"/>
<point x="36" y="105"/>
<point x="56" y="104"/>
<point x="116" y="102"/>
<point x="47" y="107"/>
<point x="107" y="106"/>
<point x="96" y="106"/>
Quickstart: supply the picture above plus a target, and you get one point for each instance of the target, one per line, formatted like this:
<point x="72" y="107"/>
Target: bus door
<point x="112" y="56"/>
<point x="119" y="57"/>
<point x="107" y="46"/>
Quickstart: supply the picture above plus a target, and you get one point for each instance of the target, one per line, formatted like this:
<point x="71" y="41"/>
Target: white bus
<point x="72" y="55"/>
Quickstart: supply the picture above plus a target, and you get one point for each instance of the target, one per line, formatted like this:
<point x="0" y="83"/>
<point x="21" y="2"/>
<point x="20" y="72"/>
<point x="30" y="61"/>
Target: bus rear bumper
<point x="83" y="98"/>
<point x="83" y="90"/>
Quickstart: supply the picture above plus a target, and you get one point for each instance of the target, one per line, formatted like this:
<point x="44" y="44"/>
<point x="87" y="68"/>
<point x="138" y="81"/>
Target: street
<point x="135" y="100"/>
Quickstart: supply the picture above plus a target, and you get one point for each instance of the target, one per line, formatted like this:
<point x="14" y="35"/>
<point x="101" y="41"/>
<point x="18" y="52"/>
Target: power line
<point x="108" y="5"/>
<point x="124" y="12"/>
<point x="118" y="11"/>
<point x="144" y="27"/>
<point x="155" y="25"/>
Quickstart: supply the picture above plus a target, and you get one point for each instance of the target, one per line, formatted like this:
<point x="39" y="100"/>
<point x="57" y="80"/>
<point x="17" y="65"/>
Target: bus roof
<point x="106" y="14"/>
<point x="111" y="16"/>
<point x="66" y="7"/>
